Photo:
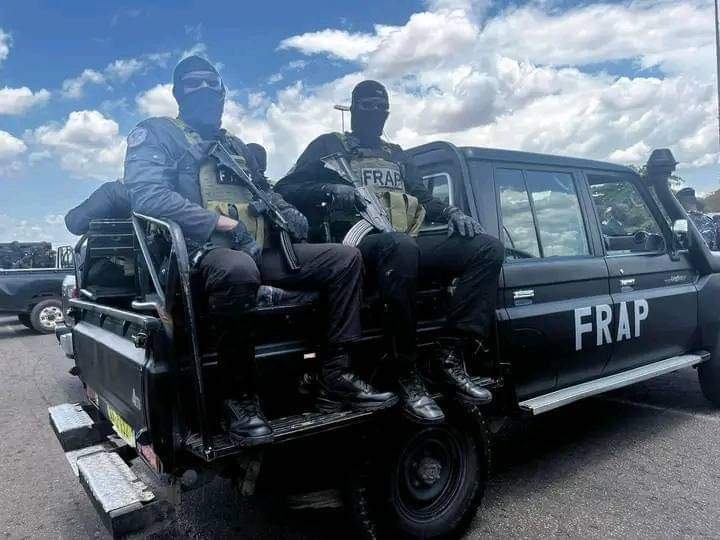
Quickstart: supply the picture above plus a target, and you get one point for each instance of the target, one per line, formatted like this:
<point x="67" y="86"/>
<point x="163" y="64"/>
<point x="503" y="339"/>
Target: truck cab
<point x="605" y="283"/>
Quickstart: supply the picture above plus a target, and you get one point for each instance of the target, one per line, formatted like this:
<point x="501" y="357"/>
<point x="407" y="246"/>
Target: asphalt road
<point x="638" y="463"/>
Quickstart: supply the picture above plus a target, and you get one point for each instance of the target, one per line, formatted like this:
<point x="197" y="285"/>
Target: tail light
<point x="150" y="457"/>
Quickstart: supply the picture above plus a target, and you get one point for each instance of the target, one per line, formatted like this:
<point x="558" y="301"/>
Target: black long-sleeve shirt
<point x="109" y="201"/>
<point x="304" y="190"/>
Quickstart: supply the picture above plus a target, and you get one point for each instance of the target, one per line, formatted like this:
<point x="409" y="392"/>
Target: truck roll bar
<point x="178" y="253"/>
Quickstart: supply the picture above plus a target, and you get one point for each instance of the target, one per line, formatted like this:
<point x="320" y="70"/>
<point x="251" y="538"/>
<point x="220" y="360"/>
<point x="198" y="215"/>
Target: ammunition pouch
<point x="405" y="211"/>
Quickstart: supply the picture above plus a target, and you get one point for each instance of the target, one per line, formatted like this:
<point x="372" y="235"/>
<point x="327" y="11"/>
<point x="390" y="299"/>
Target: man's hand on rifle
<point x="297" y="223"/>
<point x="242" y="240"/>
<point x="342" y="197"/>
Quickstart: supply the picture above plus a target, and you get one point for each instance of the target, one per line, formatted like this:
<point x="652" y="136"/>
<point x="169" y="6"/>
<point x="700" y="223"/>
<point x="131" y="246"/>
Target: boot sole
<point x="326" y="405"/>
<point x="422" y="421"/>
<point x="246" y="442"/>
<point x="470" y="400"/>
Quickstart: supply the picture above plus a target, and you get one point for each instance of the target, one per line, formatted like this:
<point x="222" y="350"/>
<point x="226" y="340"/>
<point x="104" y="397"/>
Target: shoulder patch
<point x="136" y="137"/>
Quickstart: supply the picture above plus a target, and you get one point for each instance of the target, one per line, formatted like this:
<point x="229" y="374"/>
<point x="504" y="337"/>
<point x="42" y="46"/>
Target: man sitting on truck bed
<point x="169" y="175"/>
<point x="396" y="259"/>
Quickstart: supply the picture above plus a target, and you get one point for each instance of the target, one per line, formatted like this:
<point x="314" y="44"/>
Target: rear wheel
<point x="24" y="318"/>
<point x="428" y="484"/>
<point x="46" y="315"/>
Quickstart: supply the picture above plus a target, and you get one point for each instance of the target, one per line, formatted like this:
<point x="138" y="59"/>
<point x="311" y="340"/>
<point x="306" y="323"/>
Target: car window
<point x="626" y="223"/>
<point x="541" y="214"/>
<point x="558" y="215"/>
<point x="519" y="234"/>
<point x="440" y="186"/>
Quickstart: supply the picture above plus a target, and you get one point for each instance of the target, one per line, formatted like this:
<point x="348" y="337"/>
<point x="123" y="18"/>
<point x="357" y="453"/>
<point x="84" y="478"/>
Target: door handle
<point x="627" y="282"/>
<point x="523" y="294"/>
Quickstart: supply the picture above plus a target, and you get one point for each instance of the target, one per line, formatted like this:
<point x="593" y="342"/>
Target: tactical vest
<point x="372" y="168"/>
<point x="222" y="192"/>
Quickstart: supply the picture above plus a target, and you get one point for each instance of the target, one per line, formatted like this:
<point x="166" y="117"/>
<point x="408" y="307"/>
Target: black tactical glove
<point x="459" y="222"/>
<point x="242" y="240"/>
<point x="297" y="223"/>
<point x="343" y="197"/>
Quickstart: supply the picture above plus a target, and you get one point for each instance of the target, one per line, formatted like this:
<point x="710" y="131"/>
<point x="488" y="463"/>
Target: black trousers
<point x="230" y="280"/>
<point x="395" y="262"/>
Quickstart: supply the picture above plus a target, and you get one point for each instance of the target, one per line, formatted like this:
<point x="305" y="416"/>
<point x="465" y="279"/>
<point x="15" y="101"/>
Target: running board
<point x="553" y="400"/>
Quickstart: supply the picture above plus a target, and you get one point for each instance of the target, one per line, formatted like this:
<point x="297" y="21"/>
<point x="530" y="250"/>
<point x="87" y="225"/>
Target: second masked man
<point x="395" y="260"/>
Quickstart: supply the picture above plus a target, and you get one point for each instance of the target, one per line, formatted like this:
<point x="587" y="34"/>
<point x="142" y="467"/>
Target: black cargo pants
<point x="395" y="262"/>
<point x="230" y="281"/>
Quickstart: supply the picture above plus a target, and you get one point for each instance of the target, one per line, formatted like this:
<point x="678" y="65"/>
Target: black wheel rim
<point x="429" y="474"/>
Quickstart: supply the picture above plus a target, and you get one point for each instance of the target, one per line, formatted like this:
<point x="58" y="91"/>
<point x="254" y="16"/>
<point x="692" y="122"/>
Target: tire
<point x="709" y="377"/>
<point x="429" y="483"/>
<point x="45" y="315"/>
<point x="24" y="318"/>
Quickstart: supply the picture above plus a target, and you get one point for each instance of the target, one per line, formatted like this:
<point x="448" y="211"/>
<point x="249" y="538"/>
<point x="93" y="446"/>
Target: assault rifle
<point x="369" y="206"/>
<point x="261" y="204"/>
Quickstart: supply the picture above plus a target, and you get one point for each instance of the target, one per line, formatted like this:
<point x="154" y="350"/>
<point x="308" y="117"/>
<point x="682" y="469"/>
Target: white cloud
<point x="10" y="147"/>
<point x="51" y="229"/>
<point x="5" y="44"/>
<point x="678" y="36"/>
<point x="19" y="100"/>
<point x="199" y="49"/>
<point x="158" y="101"/>
<point x="518" y="80"/>
<point x="74" y="88"/>
<point x="120" y="70"/>
<point x="88" y="145"/>
<point x="337" y="43"/>
<point x="124" y="69"/>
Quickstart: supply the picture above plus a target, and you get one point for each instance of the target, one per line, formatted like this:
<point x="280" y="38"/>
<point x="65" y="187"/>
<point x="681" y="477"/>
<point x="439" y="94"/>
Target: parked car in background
<point x="34" y="294"/>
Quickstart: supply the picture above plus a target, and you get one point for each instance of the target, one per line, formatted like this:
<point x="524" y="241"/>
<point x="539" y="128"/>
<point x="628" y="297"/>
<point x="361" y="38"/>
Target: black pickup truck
<point x="591" y="299"/>
<point x="34" y="294"/>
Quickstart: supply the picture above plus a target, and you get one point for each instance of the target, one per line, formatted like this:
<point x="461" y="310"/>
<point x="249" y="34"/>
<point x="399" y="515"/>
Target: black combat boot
<point x="245" y="421"/>
<point x="341" y="388"/>
<point x="451" y="370"/>
<point x="418" y="405"/>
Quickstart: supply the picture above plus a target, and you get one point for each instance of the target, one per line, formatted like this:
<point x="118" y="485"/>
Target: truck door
<point x="653" y="294"/>
<point x="554" y="274"/>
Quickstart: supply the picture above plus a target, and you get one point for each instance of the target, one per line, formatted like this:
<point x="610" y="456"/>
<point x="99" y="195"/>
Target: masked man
<point x="703" y="222"/>
<point x="395" y="260"/>
<point x="169" y="175"/>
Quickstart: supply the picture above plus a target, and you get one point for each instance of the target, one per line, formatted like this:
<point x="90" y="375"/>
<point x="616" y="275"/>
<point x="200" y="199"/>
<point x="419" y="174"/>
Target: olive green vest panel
<point x="226" y="195"/>
<point x="231" y="200"/>
<point x="385" y="178"/>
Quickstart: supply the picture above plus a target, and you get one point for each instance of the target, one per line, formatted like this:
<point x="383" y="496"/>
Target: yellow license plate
<point x="122" y="428"/>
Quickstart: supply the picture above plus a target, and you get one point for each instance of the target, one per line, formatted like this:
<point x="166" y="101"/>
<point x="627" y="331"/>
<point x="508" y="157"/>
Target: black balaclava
<point x="201" y="108"/>
<point x="260" y="154"/>
<point x="367" y="125"/>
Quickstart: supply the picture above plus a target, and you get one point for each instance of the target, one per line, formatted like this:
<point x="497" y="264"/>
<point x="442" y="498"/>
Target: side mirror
<point x="680" y="234"/>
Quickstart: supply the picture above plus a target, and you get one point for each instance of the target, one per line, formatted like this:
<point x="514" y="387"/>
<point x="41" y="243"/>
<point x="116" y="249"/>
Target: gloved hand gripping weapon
<point x="261" y="204"/>
<point x="373" y="213"/>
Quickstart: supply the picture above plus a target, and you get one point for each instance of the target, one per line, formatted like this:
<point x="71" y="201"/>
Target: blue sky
<point x="76" y="76"/>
